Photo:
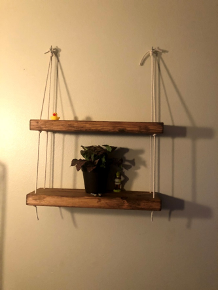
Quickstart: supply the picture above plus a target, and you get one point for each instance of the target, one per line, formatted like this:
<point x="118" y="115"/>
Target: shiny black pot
<point x="96" y="180"/>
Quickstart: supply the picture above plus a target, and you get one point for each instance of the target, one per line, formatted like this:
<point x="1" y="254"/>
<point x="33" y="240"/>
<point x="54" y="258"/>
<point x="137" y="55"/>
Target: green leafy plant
<point x="96" y="157"/>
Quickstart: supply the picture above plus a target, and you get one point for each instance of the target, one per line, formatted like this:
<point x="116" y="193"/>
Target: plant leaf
<point x="110" y="148"/>
<point x="93" y="157"/>
<point x="78" y="163"/>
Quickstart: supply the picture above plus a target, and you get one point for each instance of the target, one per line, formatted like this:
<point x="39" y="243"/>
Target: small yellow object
<point x="55" y="116"/>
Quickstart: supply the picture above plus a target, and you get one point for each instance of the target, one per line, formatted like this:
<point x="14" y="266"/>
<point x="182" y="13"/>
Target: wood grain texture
<point x="132" y="200"/>
<point x="97" y="126"/>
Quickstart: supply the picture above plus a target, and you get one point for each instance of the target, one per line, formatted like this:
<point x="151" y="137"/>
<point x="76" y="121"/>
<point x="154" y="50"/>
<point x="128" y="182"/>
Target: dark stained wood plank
<point x="97" y="127"/>
<point x="132" y="200"/>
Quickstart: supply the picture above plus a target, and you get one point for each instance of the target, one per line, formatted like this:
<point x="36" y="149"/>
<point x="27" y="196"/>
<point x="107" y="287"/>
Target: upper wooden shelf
<point x="97" y="127"/>
<point x="134" y="200"/>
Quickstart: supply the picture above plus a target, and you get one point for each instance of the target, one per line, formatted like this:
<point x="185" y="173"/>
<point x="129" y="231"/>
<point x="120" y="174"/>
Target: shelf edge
<point x="139" y="201"/>
<point x="113" y="127"/>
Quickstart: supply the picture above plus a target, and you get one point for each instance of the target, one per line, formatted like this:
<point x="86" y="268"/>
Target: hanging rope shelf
<point x="133" y="200"/>
<point x="97" y="127"/>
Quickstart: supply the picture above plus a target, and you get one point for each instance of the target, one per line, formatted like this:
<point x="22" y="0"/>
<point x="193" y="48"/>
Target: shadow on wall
<point x="179" y="208"/>
<point x="2" y="216"/>
<point x="130" y="165"/>
<point x="193" y="133"/>
<point x="171" y="208"/>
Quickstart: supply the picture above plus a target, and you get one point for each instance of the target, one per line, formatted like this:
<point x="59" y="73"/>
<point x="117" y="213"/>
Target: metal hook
<point x="153" y="50"/>
<point x="51" y="50"/>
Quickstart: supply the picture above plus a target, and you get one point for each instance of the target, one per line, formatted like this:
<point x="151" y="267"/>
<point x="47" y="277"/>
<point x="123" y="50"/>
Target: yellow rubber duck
<point x="55" y="116"/>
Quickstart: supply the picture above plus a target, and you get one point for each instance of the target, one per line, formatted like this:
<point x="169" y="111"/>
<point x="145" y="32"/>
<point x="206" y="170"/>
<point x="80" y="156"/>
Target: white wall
<point x="102" y="43"/>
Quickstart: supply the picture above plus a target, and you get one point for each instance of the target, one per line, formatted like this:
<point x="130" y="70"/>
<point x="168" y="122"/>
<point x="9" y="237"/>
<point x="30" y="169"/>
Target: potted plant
<point x="95" y="166"/>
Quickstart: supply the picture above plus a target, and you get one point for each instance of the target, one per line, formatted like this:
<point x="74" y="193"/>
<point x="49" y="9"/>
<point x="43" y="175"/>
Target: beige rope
<point x="49" y="73"/>
<point x="152" y="52"/>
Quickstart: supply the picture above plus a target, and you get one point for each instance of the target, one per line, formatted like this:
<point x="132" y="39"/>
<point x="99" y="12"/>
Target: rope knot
<point x="54" y="51"/>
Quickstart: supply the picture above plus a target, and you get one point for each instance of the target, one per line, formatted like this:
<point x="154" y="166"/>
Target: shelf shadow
<point x="174" y="131"/>
<point x="188" y="131"/>
<point x="172" y="207"/>
<point x="184" y="209"/>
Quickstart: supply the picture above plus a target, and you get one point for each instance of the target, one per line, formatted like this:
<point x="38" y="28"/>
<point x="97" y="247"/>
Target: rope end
<point x="37" y="216"/>
<point x="152" y="216"/>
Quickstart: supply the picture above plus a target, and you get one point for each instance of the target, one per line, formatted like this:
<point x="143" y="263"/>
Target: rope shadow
<point x="192" y="122"/>
<point x="67" y="90"/>
<point x="192" y="132"/>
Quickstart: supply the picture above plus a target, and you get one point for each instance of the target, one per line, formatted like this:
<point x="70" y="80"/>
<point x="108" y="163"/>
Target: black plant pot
<point x="96" y="180"/>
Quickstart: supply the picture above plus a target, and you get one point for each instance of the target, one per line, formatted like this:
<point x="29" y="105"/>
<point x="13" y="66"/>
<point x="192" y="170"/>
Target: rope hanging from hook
<point x="53" y="51"/>
<point x="43" y="101"/>
<point x="152" y="53"/>
<point x="49" y="98"/>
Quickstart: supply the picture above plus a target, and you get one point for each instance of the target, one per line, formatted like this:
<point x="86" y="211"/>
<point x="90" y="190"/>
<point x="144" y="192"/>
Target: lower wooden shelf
<point x="132" y="200"/>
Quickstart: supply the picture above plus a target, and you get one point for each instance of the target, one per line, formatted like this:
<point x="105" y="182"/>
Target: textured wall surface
<point x="102" y="43"/>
